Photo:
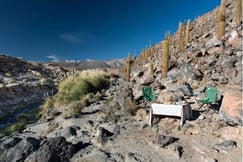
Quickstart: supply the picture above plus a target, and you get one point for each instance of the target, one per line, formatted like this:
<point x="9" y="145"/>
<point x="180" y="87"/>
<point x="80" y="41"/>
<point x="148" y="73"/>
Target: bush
<point x="76" y="87"/>
<point x="49" y="103"/>
<point x="18" y="126"/>
<point x="24" y="117"/>
<point x="78" y="91"/>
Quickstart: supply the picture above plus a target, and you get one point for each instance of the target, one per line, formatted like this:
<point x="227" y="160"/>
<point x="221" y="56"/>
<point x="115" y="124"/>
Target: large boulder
<point x="20" y="151"/>
<point x="231" y="108"/>
<point x="191" y="72"/>
<point x="53" y="149"/>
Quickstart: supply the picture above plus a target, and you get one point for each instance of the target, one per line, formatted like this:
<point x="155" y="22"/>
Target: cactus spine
<point x="165" y="58"/>
<point x="221" y="16"/>
<point x="128" y="67"/>
<point x="180" y="40"/>
<point x="187" y="38"/>
<point x="238" y="12"/>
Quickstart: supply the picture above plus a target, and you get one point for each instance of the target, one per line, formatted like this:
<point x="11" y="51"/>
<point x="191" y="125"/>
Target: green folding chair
<point x="148" y="94"/>
<point x="210" y="97"/>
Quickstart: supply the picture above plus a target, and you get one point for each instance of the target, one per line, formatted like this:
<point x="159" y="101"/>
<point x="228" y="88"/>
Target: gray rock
<point x="131" y="157"/>
<point x="95" y="156"/>
<point x="104" y="135"/>
<point x="148" y="81"/>
<point x="219" y="78"/>
<point x="20" y="151"/>
<point x="186" y="89"/>
<point x="69" y="132"/>
<point x="164" y="141"/>
<point x="53" y="149"/>
<point x="191" y="72"/>
<point x="228" y="143"/>
<point x="213" y="42"/>
<point x="228" y="62"/>
<point x="173" y="74"/>
<point x="8" y="142"/>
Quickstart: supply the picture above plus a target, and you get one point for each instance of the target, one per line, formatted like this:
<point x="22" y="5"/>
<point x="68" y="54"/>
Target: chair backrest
<point x="211" y="94"/>
<point x="148" y="93"/>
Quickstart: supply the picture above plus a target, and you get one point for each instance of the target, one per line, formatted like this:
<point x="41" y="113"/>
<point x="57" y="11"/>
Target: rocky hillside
<point x="205" y="61"/>
<point x="23" y="83"/>
<point x="116" y="127"/>
<point x="205" y="57"/>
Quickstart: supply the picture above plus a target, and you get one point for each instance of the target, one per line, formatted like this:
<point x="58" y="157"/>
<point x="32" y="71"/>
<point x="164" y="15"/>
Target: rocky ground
<point x="107" y="131"/>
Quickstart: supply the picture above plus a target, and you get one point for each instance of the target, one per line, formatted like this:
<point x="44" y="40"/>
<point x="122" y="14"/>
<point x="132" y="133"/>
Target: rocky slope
<point x="205" y="61"/>
<point x="23" y="83"/>
<point x="116" y="127"/>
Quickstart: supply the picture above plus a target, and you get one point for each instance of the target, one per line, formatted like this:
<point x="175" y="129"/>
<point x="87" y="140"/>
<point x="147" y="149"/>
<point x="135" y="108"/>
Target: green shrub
<point x="23" y="117"/>
<point x="77" y="91"/>
<point x="18" y="126"/>
<point x="49" y="103"/>
<point x="76" y="87"/>
<point x="74" y="108"/>
<point x="98" y="96"/>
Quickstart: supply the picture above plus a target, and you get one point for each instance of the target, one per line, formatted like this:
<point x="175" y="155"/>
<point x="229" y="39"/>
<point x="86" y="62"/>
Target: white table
<point x="183" y="111"/>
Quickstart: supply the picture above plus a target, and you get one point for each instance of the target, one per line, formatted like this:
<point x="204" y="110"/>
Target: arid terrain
<point x="115" y="127"/>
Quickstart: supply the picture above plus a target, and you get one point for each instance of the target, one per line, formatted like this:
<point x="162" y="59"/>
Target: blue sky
<point x="42" y="30"/>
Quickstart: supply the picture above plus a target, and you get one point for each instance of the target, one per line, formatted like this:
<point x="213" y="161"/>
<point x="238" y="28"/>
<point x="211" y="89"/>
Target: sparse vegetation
<point x="19" y="125"/>
<point x="76" y="92"/>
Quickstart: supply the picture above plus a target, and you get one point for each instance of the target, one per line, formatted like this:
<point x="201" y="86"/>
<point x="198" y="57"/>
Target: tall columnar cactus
<point x="128" y="67"/>
<point x="165" y="58"/>
<point x="180" y="40"/>
<point x="205" y="20"/>
<point x="221" y="19"/>
<point x="151" y="69"/>
<point x="187" y="38"/>
<point x="238" y="12"/>
<point x="168" y="37"/>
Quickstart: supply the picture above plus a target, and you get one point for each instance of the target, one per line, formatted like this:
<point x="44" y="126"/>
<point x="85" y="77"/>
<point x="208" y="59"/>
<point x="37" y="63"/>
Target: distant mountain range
<point x="90" y="64"/>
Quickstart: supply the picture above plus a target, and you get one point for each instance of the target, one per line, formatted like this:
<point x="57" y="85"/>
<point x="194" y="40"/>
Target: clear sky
<point x="41" y="30"/>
